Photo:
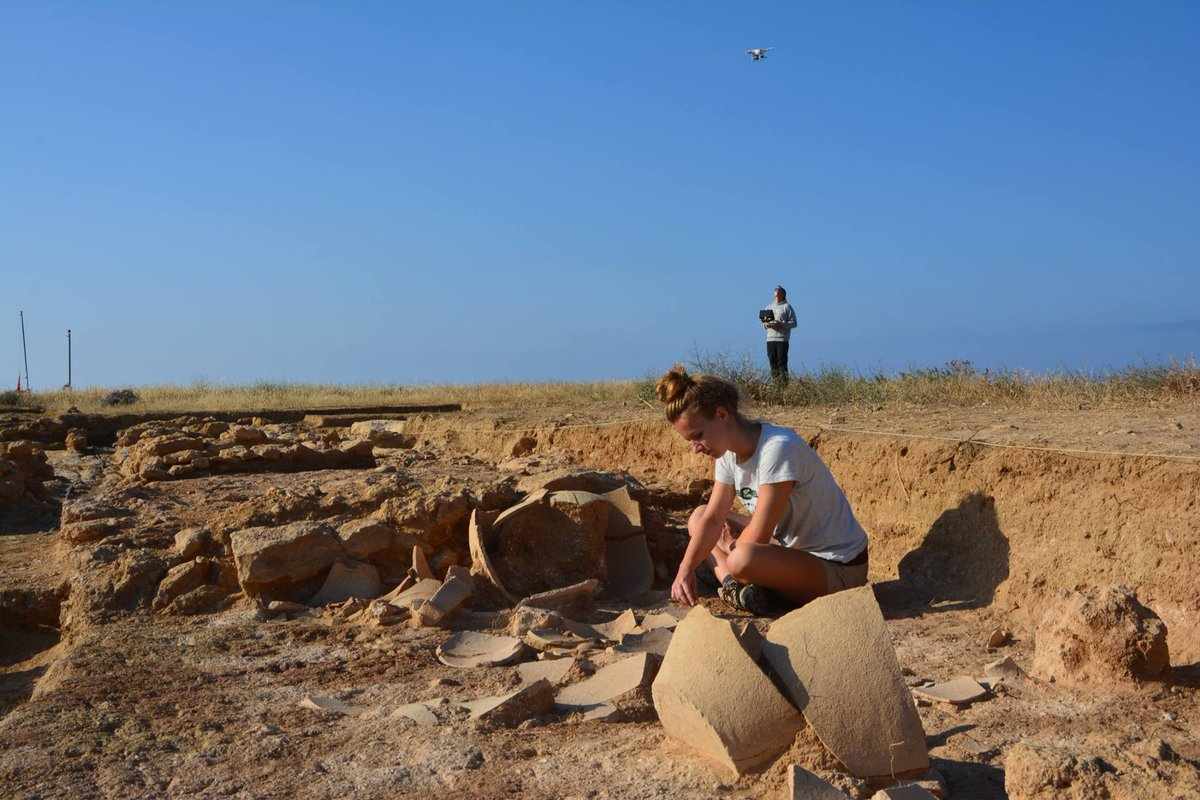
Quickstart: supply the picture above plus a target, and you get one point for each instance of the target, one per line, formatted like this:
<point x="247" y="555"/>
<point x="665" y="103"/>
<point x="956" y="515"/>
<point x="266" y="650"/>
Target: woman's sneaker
<point x="755" y="600"/>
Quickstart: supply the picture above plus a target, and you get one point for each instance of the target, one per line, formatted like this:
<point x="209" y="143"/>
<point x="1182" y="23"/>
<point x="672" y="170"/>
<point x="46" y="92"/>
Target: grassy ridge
<point x="957" y="383"/>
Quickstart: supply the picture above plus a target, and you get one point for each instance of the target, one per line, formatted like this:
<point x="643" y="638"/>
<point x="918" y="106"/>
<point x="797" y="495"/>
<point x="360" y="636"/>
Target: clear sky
<point x="405" y="192"/>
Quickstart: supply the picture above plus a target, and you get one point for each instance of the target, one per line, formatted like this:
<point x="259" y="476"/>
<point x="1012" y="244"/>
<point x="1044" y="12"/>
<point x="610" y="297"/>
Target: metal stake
<point x="24" y="352"/>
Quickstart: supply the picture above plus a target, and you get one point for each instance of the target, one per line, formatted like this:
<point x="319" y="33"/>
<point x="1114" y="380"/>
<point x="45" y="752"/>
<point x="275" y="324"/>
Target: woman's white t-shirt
<point x="818" y="519"/>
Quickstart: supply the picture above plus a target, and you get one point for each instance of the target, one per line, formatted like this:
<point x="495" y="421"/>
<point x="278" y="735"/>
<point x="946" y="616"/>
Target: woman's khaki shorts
<point x="843" y="576"/>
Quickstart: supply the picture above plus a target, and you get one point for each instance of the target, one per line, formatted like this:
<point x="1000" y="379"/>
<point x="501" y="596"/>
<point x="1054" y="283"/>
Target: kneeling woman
<point x="801" y="540"/>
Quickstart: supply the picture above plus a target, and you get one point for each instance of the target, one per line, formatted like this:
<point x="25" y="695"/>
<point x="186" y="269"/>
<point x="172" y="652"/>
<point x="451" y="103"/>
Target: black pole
<point x="68" y="358"/>
<point x="24" y="352"/>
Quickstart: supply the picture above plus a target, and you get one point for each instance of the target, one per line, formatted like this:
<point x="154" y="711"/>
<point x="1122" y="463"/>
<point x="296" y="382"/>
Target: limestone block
<point x="268" y="557"/>
<point x="363" y="538"/>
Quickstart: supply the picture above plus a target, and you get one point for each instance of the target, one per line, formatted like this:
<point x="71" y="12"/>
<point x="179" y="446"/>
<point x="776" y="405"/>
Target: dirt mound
<point x="1100" y="637"/>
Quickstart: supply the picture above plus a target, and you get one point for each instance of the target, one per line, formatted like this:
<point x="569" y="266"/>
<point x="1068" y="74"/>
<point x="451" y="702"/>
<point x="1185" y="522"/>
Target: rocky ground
<point x="141" y="659"/>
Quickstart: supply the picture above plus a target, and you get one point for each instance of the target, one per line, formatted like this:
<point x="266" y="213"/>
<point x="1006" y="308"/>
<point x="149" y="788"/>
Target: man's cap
<point x="780" y="289"/>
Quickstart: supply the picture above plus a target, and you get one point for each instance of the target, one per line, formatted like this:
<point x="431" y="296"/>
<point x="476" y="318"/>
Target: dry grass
<point x="956" y="384"/>
<point x="257" y="396"/>
<point x="959" y="384"/>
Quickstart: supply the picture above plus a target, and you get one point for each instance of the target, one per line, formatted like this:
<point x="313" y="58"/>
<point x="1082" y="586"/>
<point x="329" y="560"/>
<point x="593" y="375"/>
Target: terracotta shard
<point x="1003" y="668"/>
<point x="566" y="597"/>
<point x="551" y="639"/>
<point x="609" y="683"/>
<point x="348" y="579"/>
<point x="803" y="785"/>
<point x="656" y="641"/>
<point x="445" y="601"/>
<point x="419" y="713"/>
<point x="706" y="686"/>
<point x="533" y="498"/>
<point x="478" y="538"/>
<point x="329" y="705"/>
<point x="471" y="649"/>
<point x="662" y="620"/>
<point x="406" y="597"/>
<point x="605" y="712"/>
<point x="420" y="563"/>
<point x="630" y="509"/>
<point x="960" y="691"/>
<point x="614" y="630"/>
<point x="837" y="664"/>
<point x="530" y="700"/>
<point x="553" y="670"/>
<point x="909" y="791"/>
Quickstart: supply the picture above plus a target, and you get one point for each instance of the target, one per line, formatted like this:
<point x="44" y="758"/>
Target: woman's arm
<point x="772" y="505"/>
<point x="720" y="503"/>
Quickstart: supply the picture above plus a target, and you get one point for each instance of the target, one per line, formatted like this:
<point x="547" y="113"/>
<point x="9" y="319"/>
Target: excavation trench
<point x="952" y="525"/>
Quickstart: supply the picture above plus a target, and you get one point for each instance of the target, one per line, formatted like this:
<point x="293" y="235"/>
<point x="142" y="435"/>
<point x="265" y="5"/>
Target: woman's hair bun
<point x="673" y="385"/>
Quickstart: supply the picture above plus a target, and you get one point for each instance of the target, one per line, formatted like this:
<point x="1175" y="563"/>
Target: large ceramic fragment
<point x="408" y="596"/>
<point x="710" y="694"/>
<point x="615" y="629"/>
<point x="577" y="594"/>
<point x="480" y="533"/>
<point x="348" y="579"/>
<point x="551" y="541"/>
<point x="837" y="663"/>
<point x="608" y="684"/>
<point x="553" y="670"/>
<point x="473" y="649"/>
<point x="630" y="568"/>
<point x="655" y="641"/>
<point x="960" y="691"/>
<point x="530" y="700"/>
<point x="445" y="601"/>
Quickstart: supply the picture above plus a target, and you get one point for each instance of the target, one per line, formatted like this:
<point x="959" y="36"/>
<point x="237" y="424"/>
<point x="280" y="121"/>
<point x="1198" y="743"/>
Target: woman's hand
<point x="683" y="590"/>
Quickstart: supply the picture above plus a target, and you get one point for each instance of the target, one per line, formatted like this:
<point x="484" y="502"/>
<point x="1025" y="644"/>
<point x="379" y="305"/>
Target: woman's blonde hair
<point x="680" y="392"/>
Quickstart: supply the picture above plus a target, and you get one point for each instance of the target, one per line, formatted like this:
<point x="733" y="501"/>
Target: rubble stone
<point x="274" y="559"/>
<point x="364" y="538"/>
<point x="181" y="579"/>
<point x="191" y="542"/>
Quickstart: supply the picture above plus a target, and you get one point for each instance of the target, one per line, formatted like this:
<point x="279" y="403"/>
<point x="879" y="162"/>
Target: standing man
<point x="778" y="333"/>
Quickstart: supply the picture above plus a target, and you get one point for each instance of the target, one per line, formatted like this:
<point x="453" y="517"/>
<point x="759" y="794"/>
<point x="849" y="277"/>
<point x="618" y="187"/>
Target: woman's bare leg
<point x="793" y="573"/>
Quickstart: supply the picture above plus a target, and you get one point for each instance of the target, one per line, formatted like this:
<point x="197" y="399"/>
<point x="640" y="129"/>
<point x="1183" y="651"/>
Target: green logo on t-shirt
<point x="747" y="493"/>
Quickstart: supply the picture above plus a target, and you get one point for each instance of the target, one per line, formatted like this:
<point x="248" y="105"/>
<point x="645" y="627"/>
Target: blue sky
<point x="519" y="191"/>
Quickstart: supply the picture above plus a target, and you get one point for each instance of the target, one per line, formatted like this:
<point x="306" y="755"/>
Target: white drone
<point x="758" y="53"/>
